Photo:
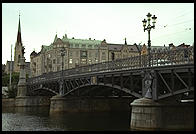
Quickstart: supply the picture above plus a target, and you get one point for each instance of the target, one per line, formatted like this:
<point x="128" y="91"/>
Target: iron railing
<point x="162" y="58"/>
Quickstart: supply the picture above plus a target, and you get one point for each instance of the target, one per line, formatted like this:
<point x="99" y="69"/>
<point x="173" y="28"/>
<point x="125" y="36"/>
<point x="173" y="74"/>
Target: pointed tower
<point x="125" y="41"/>
<point x="18" y="49"/>
<point x="55" y="38"/>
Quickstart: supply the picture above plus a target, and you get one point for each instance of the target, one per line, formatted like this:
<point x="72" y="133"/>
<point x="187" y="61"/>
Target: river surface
<point x="38" y="119"/>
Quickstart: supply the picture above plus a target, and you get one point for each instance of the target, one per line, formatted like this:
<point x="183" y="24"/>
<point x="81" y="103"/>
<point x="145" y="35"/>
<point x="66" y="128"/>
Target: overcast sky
<point x="111" y="21"/>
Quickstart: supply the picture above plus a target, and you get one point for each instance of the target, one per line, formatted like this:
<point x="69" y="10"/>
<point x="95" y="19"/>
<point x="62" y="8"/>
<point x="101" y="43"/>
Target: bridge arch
<point x="102" y="85"/>
<point x="44" y="89"/>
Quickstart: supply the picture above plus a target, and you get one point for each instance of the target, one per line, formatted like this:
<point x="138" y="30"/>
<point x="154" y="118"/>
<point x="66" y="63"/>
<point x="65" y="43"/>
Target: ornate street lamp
<point x="61" y="91"/>
<point x="148" y="28"/>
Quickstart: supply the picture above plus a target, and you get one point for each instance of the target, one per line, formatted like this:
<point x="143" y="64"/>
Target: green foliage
<point x="12" y="91"/>
<point x="6" y="79"/>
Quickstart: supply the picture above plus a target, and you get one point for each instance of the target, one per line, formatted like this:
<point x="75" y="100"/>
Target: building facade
<point x="81" y="52"/>
<point x="78" y="52"/>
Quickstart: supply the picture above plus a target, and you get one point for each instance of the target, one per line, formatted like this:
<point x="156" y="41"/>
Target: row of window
<point x="83" y="53"/>
<point x="77" y="46"/>
<point x="76" y="61"/>
<point x="60" y="45"/>
<point x="83" y="46"/>
<point x="83" y="61"/>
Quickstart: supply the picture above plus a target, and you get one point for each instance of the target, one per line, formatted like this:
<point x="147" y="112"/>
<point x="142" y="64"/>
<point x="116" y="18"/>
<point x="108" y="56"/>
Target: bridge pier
<point x="60" y="104"/>
<point x="150" y="115"/>
<point x="29" y="101"/>
<point x="57" y="104"/>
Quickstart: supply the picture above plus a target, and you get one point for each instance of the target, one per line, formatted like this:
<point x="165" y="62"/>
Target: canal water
<point x="38" y="119"/>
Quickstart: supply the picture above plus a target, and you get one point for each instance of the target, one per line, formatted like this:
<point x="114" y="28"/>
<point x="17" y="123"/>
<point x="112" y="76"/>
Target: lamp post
<point x="148" y="28"/>
<point x="62" y="82"/>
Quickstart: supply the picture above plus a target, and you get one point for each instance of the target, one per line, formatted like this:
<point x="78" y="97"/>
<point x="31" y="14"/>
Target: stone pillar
<point x="22" y="91"/>
<point x="21" y="98"/>
<point x="57" y="104"/>
<point x="150" y="115"/>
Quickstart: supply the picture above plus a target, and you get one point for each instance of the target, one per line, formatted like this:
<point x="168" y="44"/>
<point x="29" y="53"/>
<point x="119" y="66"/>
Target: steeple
<point x="55" y="37"/>
<point x="19" y="40"/>
<point x="19" y="50"/>
<point x="125" y="41"/>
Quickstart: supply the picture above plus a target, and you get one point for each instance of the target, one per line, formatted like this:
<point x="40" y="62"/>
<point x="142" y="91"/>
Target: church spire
<point x="19" y="40"/>
<point x="125" y="41"/>
<point x="55" y="37"/>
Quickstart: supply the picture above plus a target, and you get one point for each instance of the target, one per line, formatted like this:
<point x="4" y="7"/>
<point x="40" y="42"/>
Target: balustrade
<point x="166" y="57"/>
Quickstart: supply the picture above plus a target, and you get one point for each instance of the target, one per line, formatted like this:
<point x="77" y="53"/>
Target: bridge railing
<point x="162" y="58"/>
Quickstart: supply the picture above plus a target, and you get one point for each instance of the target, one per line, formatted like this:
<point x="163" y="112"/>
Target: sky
<point x="111" y="21"/>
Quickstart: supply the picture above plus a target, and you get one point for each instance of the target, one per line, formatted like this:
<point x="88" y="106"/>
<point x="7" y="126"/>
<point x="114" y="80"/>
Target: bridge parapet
<point x="163" y="58"/>
<point x="172" y="74"/>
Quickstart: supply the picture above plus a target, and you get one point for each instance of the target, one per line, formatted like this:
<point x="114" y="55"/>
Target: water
<point x="38" y="119"/>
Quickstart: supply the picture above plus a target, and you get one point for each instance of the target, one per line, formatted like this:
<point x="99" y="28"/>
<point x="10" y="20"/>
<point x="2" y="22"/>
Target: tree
<point x="12" y="91"/>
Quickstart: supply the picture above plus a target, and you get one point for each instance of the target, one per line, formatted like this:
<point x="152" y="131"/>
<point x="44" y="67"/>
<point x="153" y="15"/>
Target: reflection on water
<point x="38" y="119"/>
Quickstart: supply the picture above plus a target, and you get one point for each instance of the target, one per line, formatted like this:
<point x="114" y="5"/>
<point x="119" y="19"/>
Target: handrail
<point x="163" y="58"/>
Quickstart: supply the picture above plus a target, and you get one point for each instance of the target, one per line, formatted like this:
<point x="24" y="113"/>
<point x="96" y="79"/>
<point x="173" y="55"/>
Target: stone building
<point x="14" y="65"/>
<point x="144" y="48"/>
<point x="155" y="49"/>
<point x="78" y="52"/>
<point x="120" y="51"/>
<point x="81" y="52"/>
<point x="9" y="66"/>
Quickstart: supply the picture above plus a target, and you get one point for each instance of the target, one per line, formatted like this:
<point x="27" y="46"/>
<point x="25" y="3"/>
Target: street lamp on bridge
<point x="61" y="91"/>
<point x="148" y="28"/>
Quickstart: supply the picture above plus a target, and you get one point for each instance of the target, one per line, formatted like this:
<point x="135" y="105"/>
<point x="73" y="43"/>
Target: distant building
<point x="78" y="52"/>
<point x="120" y="51"/>
<point x="144" y="49"/>
<point x="14" y="65"/>
<point x="183" y="45"/>
<point x="9" y="66"/>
